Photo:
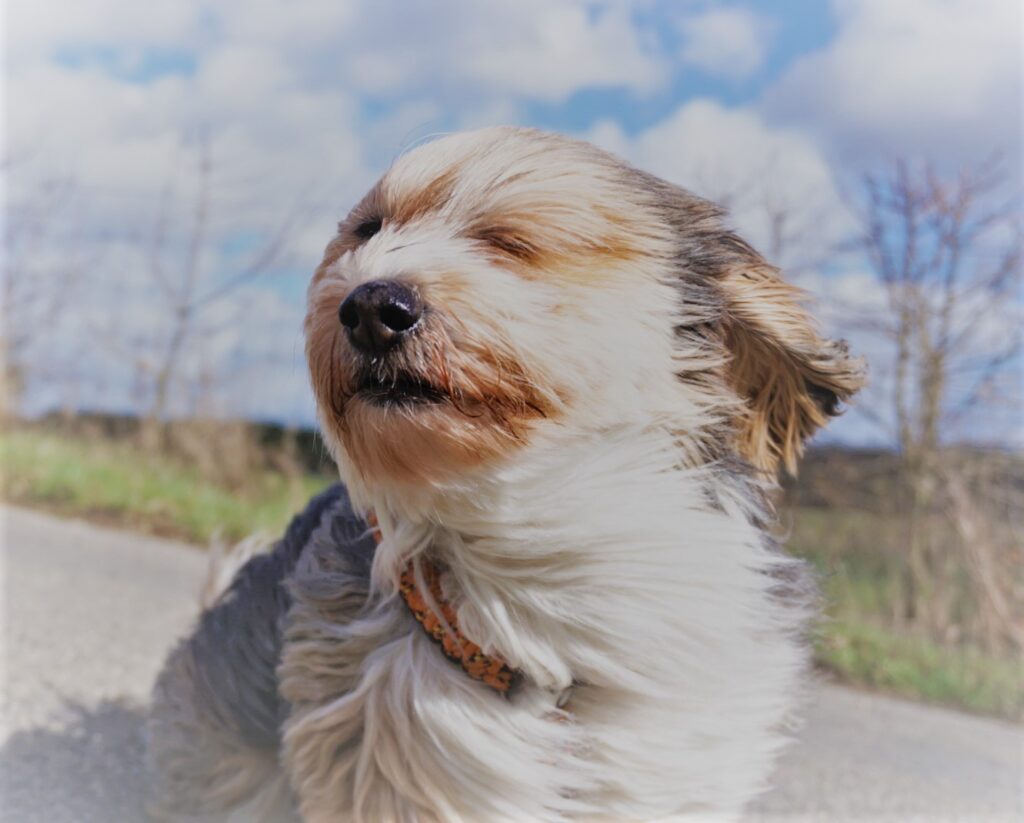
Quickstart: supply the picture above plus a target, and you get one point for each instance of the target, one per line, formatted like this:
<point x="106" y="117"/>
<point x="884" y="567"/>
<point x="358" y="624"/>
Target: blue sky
<point x="303" y="104"/>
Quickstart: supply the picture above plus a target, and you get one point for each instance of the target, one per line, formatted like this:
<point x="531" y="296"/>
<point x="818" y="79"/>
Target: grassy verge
<point x="860" y="641"/>
<point x="114" y="483"/>
<point x="960" y="677"/>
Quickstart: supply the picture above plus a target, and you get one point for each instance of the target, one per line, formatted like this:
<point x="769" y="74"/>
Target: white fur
<point x="601" y="563"/>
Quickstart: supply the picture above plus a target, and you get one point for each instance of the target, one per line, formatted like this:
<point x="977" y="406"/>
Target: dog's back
<point x="216" y="707"/>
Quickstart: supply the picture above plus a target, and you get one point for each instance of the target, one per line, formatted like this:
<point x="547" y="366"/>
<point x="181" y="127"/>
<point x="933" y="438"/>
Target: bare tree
<point x="34" y="285"/>
<point x="176" y="268"/>
<point x="946" y="253"/>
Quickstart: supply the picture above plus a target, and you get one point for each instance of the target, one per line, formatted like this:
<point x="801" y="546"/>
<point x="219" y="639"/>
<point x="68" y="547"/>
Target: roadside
<point x="116" y="483"/>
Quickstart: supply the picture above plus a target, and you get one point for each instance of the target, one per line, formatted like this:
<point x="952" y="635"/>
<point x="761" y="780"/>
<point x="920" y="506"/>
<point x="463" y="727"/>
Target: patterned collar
<point x="420" y="587"/>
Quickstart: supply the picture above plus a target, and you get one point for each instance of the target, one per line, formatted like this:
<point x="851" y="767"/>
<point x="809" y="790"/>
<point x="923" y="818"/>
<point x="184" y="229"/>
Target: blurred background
<point x="173" y="169"/>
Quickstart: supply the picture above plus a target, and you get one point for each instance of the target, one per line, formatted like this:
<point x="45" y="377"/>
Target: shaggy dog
<point x="557" y="390"/>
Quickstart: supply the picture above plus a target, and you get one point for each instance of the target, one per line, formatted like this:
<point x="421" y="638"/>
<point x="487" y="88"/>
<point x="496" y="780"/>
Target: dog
<point x="558" y="390"/>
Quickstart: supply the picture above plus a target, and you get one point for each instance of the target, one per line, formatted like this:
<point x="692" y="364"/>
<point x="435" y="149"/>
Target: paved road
<point x="89" y="614"/>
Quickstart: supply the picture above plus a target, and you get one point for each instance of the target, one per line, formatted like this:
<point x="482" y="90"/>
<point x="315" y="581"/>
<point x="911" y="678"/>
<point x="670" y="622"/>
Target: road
<point x="89" y="614"/>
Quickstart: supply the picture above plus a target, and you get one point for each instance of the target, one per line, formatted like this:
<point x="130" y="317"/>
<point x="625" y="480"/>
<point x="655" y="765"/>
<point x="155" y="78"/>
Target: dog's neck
<point x="537" y="549"/>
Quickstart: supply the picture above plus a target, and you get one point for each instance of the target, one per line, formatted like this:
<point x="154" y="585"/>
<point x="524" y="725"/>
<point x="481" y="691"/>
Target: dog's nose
<point x="377" y="314"/>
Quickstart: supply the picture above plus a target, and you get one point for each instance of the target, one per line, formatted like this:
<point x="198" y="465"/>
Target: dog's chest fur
<point x="605" y="572"/>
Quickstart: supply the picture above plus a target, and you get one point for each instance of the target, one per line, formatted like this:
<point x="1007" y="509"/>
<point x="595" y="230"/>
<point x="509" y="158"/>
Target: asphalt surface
<point x="89" y="613"/>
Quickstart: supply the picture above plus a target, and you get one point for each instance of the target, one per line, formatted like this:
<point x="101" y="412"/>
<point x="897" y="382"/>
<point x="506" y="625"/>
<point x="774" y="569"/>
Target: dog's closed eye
<point x="367" y="228"/>
<point x="508" y="242"/>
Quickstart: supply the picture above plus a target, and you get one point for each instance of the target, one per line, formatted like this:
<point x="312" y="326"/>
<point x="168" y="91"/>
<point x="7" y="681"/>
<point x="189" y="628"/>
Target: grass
<point x="960" y="677"/>
<point x="115" y="483"/>
<point x="855" y="555"/>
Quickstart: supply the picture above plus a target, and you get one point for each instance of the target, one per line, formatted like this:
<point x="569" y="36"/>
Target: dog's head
<point x="498" y="285"/>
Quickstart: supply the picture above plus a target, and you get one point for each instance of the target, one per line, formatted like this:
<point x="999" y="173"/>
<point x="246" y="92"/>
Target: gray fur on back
<point x="238" y="643"/>
<point x="216" y="705"/>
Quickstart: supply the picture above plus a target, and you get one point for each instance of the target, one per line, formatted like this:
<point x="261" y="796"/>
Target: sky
<point x="301" y="105"/>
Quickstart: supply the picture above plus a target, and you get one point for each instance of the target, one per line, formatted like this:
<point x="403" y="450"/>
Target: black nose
<point x="377" y="314"/>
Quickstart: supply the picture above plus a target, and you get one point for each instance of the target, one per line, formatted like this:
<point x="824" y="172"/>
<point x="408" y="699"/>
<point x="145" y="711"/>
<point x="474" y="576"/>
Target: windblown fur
<point x="614" y="378"/>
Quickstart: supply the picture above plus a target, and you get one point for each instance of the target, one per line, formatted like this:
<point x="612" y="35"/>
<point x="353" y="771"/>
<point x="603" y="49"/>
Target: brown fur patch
<point x="388" y="205"/>
<point x="791" y="378"/>
<point x="535" y="247"/>
<point x="511" y="243"/>
<point x="371" y="207"/>
<point x="785" y="379"/>
<point x="406" y="206"/>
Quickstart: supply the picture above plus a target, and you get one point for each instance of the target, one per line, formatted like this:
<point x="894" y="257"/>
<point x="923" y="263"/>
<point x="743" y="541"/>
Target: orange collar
<point x="443" y="628"/>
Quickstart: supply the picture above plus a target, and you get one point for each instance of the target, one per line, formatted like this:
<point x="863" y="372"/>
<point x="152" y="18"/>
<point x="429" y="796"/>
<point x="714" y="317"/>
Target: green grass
<point x="858" y="564"/>
<point x="115" y="483"/>
<point x="960" y="677"/>
<point x="852" y="556"/>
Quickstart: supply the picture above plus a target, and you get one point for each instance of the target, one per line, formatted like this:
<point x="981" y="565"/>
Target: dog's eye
<point x="369" y="227"/>
<point x="508" y="242"/>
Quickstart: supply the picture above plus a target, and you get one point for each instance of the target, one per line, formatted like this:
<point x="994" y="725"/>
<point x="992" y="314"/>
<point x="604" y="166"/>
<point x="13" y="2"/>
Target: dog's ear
<point x="791" y="380"/>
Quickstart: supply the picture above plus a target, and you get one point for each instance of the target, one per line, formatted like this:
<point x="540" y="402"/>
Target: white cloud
<point x="280" y="92"/>
<point x="39" y="28"/>
<point x="556" y="48"/>
<point x="542" y="49"/>
<point x="932" y="77"/>
<point x="732" y="157"/>
<point x="730" y="42"/>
